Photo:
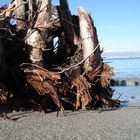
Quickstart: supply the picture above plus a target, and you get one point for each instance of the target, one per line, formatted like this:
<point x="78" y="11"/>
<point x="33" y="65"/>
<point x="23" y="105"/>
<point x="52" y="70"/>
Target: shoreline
<point x="120" y="124"/>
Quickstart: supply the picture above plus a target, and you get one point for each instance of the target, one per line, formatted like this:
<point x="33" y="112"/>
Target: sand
<point x="121" y="124"/>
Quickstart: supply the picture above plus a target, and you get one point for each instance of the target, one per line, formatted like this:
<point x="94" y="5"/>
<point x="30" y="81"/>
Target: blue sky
<point x="117" y="21"/>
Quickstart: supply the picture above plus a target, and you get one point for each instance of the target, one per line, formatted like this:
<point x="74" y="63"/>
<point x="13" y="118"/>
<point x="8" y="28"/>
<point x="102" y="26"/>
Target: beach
<point x="52" y="57"/>
<point x="120" y="124"/>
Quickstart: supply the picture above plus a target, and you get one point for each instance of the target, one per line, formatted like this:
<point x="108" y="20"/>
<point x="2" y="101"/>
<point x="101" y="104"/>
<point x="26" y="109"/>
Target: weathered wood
<point x="20" y="13"/>
<point x="97" y="54"/>
<point x="83" y="97"/>
<point x="36" y="37"/>
<point x="44" y="82"/>
<point x="32" y="9"/>
<point x="44" y="15"/>
<point x="76" y="77"/>
<point x="54" y="23"/>
<point x="90" y="45"/>
<point x="87" y="36"/>
<point x="67" y="24"/>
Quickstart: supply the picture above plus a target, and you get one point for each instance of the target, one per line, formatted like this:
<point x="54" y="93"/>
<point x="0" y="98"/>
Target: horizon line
<point x="121" y="51"/>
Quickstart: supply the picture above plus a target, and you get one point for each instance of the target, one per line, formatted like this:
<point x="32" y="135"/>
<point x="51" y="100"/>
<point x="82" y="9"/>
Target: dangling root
<point x="83" y="97"/>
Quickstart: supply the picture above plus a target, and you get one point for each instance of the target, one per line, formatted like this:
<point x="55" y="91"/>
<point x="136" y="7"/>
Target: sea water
<point x="127" y="68"/>
<point x="130" y="94"/>
<point x="125" y="65"/>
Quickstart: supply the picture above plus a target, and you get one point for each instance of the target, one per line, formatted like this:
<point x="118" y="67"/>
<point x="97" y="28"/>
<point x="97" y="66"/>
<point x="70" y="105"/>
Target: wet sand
<point x="121" y="124"/>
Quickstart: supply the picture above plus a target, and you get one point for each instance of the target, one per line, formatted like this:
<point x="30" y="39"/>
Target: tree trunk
<point x="87" y="35"/>
<point x="89" y="41"/>
<point x="67" y="24"/>
<point x="20" y="14"/>
<point x="36" y="36"/>
<point x="32" y="9"/>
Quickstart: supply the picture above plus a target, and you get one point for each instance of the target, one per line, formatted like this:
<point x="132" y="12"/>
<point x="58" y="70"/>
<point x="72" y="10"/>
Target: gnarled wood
<point x="87" y="36"/>
<point x="90" y="44"/>
<point x="36" y="37"/>
<point x="73" y="76"/>
<point x="67" y="23"/>
<point x="83" y="97"/>
<point x="20" y="14"/>
<point x="44" y="82"/>
<point x="32" y="12"/>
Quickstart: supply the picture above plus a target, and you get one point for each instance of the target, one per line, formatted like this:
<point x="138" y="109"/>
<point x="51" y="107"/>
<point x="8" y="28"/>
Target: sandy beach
<point x="121" y="124"/>
<point x="64" y="54"/>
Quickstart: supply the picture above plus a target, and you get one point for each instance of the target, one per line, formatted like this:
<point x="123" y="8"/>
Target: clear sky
<point x="117" y="21"/>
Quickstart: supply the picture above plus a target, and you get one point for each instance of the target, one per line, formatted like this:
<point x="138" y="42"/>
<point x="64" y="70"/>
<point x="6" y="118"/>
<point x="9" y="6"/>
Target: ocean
<point x="125" y="65"/>
<point x="130" y="94"/>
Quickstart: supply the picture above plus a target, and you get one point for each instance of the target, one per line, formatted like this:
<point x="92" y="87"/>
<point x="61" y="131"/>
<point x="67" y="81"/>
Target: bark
<point x="20" y="14"/>
<point x="83" y="97"/>
<point x="87" y="36"/>
<point x="54" y="23"/>
<point x="36" y="37"/>
<point x="32" y="12"/>
<point x="90" y="44"/>
<point x="97" y="54"/>
<point x="67" y="24"/>
<point x="45" y="83"/>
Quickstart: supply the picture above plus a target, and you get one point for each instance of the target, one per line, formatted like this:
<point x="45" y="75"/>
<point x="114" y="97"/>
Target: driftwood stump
<point x="56" y="56"/>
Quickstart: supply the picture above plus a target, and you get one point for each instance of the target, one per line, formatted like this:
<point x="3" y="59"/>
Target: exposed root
<point x="83" y="97"/>
<point x="106" y="75"/>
